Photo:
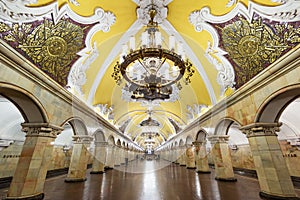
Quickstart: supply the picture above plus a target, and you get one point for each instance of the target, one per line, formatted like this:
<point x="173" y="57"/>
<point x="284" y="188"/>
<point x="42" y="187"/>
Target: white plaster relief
<point x="231" y="3"/>
<point x="194" y="111"/>
<point x="77" y="75"/>
<point x="14" y="11"/>
<point x="106" y="111"/>
<point x="168" y="28"/>
<point x="146" y="5"/>
<point x="18" y="12"/>
<point x="74" y="2"/>
<point x="226" y="75"/>
<point x="290" y="11"/>
<point x="279" y="1"/>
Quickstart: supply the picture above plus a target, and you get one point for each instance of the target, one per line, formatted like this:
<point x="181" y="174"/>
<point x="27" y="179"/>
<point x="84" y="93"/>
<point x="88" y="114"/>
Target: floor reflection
<point x="156" y="180"/>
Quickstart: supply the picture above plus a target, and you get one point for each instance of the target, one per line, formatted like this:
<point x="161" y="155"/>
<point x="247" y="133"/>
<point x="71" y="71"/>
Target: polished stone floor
<point x="150" y="180"/>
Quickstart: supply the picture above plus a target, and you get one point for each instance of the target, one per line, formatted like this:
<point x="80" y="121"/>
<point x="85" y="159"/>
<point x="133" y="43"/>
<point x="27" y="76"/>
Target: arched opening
<point x="30" y="108"/>
<point x="283" y="107"/>
<point x="201" y="135"/>
<point x="62" y="148"/>
<point x="111" y="140"/>
<point x="272" y="108"/>
<point x="289" y="136"/>
<point x="99" y="136"/>
<point x="181" y="143"/>
<point x="17" y="106"/>
<point x="238" y="143"/>
<point x="189" y="140"/>
<point x="78" y="126"/>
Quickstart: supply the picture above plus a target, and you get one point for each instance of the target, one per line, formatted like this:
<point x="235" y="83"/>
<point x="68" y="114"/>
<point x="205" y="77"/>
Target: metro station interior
<point x="149" y="99"/>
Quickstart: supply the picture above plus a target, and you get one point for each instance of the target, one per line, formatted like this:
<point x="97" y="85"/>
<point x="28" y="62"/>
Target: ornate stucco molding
<point x="13" y="11"/>
<point x="145" y="5"/>
<point x="288" y="11"/>
<point x="77" y="75"/>
<point x="21" y="13"/>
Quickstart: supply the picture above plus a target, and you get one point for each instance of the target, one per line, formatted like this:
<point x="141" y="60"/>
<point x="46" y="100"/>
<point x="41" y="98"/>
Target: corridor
<point x="150" y="180"/>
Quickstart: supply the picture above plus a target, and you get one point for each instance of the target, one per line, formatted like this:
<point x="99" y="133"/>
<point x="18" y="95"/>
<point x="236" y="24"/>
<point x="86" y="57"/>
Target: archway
<point x="28" y="105"/>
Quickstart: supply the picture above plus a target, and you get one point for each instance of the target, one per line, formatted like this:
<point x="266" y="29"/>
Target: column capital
<point x="261" y="129"/>
<point x="218" y="139"/>
<point x="41" y="130"/>
<point x="85" y="139"/>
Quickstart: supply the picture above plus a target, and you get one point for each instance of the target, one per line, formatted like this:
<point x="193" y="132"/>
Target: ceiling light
<point x="150" y="70"/>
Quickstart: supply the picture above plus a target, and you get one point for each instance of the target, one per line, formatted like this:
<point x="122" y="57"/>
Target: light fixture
<point x="151" y="70"/>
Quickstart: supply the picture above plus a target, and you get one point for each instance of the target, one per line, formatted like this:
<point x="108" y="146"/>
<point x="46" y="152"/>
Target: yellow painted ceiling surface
<point x="109" y="93"/>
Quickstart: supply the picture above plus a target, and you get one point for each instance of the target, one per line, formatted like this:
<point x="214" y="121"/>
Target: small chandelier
<point x="150" y="70"/>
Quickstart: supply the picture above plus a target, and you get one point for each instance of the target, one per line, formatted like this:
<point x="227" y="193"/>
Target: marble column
<point x="30" y="174"/>
<point x="122" y="156"/>
<point x="190" y="158"/>
<point x="117" y="152"/>
<point x="126" y="156"/>
<point x="79" y="159"/>
<point x="273" y="175"/>
<point x="99" y="158"/>
<point x="110" y="157"/>
<point x="222" y="158"/>
<point x="182" y="156"/>
<point x="201" y="157"/>
<point x="177" y="156"/>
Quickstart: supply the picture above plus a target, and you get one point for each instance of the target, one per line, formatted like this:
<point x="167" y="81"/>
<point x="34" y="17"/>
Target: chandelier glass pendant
<point x="150" y="71"/>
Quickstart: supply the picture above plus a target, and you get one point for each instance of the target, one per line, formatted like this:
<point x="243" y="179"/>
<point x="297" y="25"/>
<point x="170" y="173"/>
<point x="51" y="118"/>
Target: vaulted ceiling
<point x="78" y="42"/>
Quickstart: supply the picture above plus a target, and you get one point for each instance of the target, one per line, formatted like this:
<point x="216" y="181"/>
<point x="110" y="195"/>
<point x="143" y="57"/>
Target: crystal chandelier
<point x="151" y="70"/>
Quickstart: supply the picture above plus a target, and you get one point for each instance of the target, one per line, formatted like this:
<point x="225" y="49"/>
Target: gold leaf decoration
<point x="4" y="27"/>
<point x="53" y="47"/>
<point x="253" y="46"/>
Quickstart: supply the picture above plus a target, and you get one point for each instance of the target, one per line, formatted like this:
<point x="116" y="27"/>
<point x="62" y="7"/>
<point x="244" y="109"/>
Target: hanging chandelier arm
<point x="161" y="64"/>
<point x="144" y="66"/>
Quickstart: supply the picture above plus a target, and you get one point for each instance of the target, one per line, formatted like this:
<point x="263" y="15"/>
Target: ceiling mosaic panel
<point x="253" y="46"/>
<point x="52" y="47"/>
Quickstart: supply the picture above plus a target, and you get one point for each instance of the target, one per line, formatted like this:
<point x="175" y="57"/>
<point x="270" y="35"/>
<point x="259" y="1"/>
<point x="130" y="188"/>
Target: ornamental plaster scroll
<point x="145" y="5"/>
<point x="13" y="12"/>
<point x="74" y="2"/>
<point x="289" y="11"/>
<point x="194" y="111"/>
<point x="232" y="2"/>
<point x="106" y="111"/>
<point x="226" y="75"/>
<point x="215" y="55"/>
<point x="20" y="13"/>
<point x="77" y="76"/>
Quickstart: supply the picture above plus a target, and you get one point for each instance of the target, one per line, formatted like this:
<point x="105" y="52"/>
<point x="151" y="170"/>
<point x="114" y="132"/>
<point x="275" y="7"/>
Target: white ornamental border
<point x="287" y="12"/>
<point x="16" y="11"/>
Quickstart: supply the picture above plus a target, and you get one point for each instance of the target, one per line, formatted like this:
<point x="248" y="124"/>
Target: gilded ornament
<point x="252" y="46"/>
<point x="52" y="47"/>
